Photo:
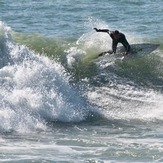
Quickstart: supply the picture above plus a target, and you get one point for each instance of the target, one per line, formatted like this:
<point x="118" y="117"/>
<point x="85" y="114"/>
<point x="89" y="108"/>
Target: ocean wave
<point x="44" y="80"/>
<point x="79" y="55"/>
<point x="35" y="90"/>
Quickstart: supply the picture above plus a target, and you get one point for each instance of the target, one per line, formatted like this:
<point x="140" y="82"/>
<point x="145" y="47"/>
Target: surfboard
<point x="137" y="50"/>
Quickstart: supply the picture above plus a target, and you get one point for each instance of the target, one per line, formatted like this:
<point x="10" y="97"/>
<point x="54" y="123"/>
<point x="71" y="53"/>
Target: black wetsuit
<point x="122" y="40"/>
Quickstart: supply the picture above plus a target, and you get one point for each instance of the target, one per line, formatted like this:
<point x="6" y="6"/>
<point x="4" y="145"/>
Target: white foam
<point x="35" y="89"/>
<point x="127" y="102"/>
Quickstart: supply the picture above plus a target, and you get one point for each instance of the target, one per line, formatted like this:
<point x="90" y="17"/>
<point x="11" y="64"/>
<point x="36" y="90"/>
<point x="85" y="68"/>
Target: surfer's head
<point x="116" y="34"/>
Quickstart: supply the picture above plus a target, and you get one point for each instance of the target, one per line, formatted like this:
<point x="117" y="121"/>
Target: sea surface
<point x="59" y="103"/>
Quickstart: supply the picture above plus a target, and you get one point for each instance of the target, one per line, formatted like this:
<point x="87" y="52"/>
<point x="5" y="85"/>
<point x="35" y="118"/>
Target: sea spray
<point x="35" y="90"/>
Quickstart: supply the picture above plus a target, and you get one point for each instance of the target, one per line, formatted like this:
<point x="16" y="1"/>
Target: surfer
<point x="116" y="37"/>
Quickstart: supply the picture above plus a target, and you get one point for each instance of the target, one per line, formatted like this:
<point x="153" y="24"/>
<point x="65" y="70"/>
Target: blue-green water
<point x="58" y="103"/>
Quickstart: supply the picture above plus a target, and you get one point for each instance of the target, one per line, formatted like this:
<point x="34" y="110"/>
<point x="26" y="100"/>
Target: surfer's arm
<point x="102" y="30"/>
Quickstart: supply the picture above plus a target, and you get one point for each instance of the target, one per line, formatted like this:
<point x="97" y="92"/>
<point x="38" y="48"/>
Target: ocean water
<point x="59" y="102"/>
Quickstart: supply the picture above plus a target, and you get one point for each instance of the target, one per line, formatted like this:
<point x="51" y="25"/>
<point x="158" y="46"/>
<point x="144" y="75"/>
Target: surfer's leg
<point x="114" y="46"/>
<point x="127" y="47"/>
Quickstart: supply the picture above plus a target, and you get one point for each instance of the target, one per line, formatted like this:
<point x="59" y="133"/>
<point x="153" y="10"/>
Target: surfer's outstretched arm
<point x="101" y="30"/>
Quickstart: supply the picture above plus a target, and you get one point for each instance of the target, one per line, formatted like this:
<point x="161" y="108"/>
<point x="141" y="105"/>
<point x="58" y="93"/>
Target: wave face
<point x="129" y="89"/>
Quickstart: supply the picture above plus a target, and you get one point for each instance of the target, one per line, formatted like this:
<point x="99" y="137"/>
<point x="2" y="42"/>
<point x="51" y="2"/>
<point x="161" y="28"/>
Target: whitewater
<point x="59" y="102"/>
